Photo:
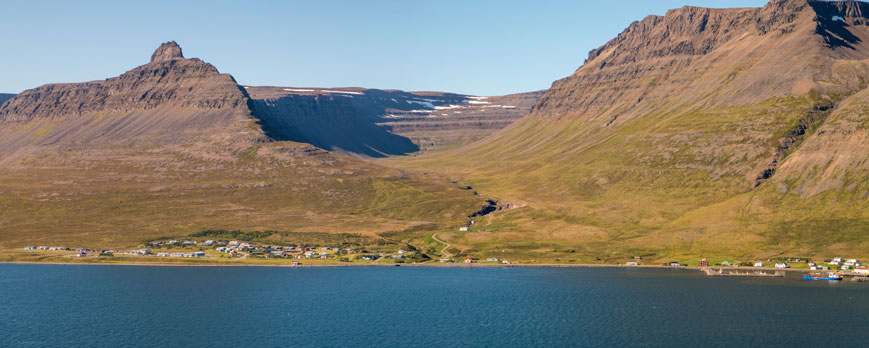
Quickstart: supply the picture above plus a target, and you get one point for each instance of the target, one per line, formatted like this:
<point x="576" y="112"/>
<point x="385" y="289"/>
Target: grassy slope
<point x="58" y="200"/>
<point x="678" y="183"/>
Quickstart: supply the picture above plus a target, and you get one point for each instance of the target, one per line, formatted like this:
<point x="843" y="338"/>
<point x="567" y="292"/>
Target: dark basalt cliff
<point x="662" y="56"/>
<point x="378" y="123"/>
<point x="168" y="79"/>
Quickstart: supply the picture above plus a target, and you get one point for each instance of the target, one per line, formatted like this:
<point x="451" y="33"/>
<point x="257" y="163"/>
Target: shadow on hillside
<point x="334" y="124"/>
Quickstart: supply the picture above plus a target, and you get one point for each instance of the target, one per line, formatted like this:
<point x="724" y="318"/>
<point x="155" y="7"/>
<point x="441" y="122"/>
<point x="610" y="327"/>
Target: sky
<point x="463" y="46"/>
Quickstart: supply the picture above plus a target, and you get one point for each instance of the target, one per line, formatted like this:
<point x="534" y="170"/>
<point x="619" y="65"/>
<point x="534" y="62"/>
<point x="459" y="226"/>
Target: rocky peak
<point x="167" y="51"/>
<point x="168" y="80"/>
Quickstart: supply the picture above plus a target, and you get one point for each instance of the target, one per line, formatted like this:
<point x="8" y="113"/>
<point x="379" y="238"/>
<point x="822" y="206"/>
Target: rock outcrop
<point x="168" y="79"/>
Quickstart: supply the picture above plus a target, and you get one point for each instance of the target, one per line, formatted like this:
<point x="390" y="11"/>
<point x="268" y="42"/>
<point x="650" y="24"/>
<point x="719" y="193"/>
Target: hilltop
<point x="703" y="132"/>
<point x="174" y="147"/>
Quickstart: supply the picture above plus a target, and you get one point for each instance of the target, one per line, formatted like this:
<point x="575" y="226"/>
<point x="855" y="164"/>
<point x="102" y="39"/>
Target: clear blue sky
<point x="474" y="47"/>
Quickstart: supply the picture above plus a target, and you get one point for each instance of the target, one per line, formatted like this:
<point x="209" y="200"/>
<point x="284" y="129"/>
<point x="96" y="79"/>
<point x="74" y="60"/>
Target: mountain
<point x="703" y="132"/>
<point x="174" y="147"/>
<point x="4" y="97"/>
<point x="379" y="123"/>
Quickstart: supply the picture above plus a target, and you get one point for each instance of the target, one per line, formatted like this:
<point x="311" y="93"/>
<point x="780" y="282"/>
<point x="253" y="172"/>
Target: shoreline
<point x="431" y="265"/>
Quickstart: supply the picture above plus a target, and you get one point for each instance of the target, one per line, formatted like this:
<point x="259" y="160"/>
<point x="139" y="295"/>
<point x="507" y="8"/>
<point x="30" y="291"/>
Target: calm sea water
<point x="96" y="306"/>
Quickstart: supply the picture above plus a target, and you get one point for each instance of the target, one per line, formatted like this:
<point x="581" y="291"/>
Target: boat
<point x="821" y="276"/>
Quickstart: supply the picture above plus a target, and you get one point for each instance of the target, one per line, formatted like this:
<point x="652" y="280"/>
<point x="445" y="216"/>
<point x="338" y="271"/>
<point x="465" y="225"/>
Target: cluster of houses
<point x="469" y="260"/>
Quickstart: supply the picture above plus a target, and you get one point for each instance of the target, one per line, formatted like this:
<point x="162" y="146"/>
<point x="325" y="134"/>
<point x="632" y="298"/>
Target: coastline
<point x="431" y="265"/>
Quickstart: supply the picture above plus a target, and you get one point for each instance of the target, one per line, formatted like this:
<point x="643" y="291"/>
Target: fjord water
<point x="91" y="306"/>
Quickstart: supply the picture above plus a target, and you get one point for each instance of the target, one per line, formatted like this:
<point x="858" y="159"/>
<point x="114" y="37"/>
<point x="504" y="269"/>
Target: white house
<point x="758" y="264"/>
<point x="493" y="259"/>
<point x="632" y="263"/>
<point x="862" y="271"/>
<point x="463" y="229"/>
<point x="141" y="252"/>
<point x="208" y="243"/>
<point x="781" y="265"/>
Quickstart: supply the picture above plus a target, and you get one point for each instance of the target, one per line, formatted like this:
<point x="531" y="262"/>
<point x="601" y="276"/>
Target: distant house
<point x="463" y="229"/>
<point x="469" y="260"/>
<point x="197" y="254"/>
<point x="758" y="264"/>
<point x="505" y="262"/>
<point x="208" y="243"/>
<point x="445" y="260"/>
<point x="704" y="263"/>
<point x="781" y="265"/>
<point x="233" y="244"/>
<point x="862" y="271"/>
<point x="674" y="264"/>
<point x="163" y="254"/>
<point x="493" y="259"/>
<point x="141" y="252"/>
<point x="30" y="248"/>
<point x="726" y="263"/>
<point x="632" y="263"/>
<point x="369" y="257"/>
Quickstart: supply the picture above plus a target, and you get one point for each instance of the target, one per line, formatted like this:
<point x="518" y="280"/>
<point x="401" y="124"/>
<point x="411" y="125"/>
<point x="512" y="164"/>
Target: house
<point x="208" y="243"/>
<point x="493" y="259"/>
<point x="163" y="254"/>
<point x="781" y="265"/>
<point x="369" y="257"/>
<point x="505" y="262"/>
<point x="197" y="254"/>
<point x="141" y="252"/>
<point x="463" y="229"/>
<point x="837" y="260"/>
<point x="233" y="244"/>
<point x="468" y="260"/>
<point x="845" y="267"/>
<point x="674" y="264"/>
<point x="42" y="247"/>
<point x="632" y="263"/>
<point x="296" y="263"/>
<point x="81" y="254"/>
<point x="401" y="252"/>
<point x="758" y="264"/>
<point x="397" y="256"/>
<point x="155" y="244"/>
<point x="446" y="260"/>
<point x="726" y="263"/>
<point x="30" y="248"/>
<point x="638" y="258"/>
<point x="704" y="263"/>
<point x="862" y="271"/>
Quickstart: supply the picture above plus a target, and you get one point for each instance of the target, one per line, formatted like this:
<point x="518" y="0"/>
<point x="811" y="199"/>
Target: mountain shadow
<point x="340" y="121"/>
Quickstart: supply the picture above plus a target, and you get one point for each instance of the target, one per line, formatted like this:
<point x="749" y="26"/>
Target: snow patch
<point x="837" y="18"/>
<point x="477" y="102"/>
<point x="478" y="98"/>
<point x="341" y="92"/>
<point x="298" y="90"/>
<point x="423" y="103"/>
<point x="448" y="107"/>
<point x="509" y="107"/>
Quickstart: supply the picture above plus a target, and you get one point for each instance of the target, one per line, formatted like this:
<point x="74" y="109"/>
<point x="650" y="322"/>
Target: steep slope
<point x="378" y="123"/>
<point x="701" y="132"/>
<point x="171" y="148"/>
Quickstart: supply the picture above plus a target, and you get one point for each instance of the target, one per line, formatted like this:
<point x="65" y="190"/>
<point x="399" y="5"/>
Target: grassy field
<point x="676" y="183"/>
<point x="107" y="204"/>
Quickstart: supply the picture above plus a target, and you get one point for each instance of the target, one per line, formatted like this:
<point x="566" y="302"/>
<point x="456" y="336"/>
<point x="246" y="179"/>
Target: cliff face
<point x="715" y="57"/>
<point x="4" y="97"/>
<point x="168" y="79"/>
<point x="378" y="123"/>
